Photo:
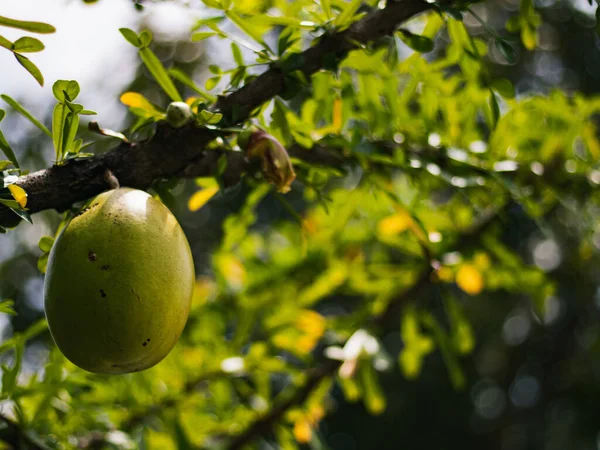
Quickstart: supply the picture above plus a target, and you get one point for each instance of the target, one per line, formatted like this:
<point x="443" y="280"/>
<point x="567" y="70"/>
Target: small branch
<point x="265" y="423"/>
<point x="111" y="180"/>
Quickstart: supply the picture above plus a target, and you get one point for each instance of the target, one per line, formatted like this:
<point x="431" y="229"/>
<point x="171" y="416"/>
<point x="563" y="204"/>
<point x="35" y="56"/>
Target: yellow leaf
<point x="135" y="100"/>
<point x="337" y="115"/>
<point x="18" y="194"/>
<point x="190" y="101"/>
<point x="311" y="323"/>
<point x="200" y="198"/>
<point x="469" y="279"/>
<point x="394" y="224"/>
<point x="305" y="344"/>
<point x="316" y="413"/>
<point x="302" y="431"/>
<point x="445" y="274"/>
<point x="232" y="269"/>
<point x="482" y="261"/>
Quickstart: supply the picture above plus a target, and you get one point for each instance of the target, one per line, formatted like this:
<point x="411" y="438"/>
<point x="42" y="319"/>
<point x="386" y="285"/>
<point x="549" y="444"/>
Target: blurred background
<point x="533" y="381"/>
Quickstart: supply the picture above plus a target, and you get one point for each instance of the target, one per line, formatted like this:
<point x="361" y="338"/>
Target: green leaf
<point x="247" y="28"/>
<point x="374" y="397"/>
<point x="42" y="263"/>
<point x="70" y="87"/>
<point x="513" y="24"/>
<point x="7" y="150"/>
<point x="211" y="83"/>
<point x="503" y="87"/>
<point x="284" y="21"/>
<point x="183" y="78"/>
<point x="160" y="74"/>
<point x="210" y="118"/>
<point x="17" y="107"/>
<point x="418" y="43"/>
<point x="6" y="307"/>
<point x="28" y="45"/>
<point x="71" y="127"/>
<point x="201" y="35"/>
<point x="131" y="37"/>
<point x="208" y="20"/>
<point x="348" y="13"/>
<point x="326" y="6"/>
<point x="457" y="376"/>
<point x="31" y="68"/>
<point x="35" y="27"/>
<point x="146" y="38"/>
<point x="238" y="76"/>
<point x="287" y="38"/>
<point x="35" y="329"/>
<point x="74" y="107"/>
<point x="22" y="213"/>
<point x="495" y="109"/>
<point x="5" y="43"/>
<point x="59" y="116"/>
<point x="212" y="4"/>
<point x="237" y="54"/>
<point x="507" y="51"/>
<point x="45" y="244"/>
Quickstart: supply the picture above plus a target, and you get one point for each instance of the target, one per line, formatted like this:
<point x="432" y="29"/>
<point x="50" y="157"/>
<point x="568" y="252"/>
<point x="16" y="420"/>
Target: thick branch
<point x="175" y="152"/>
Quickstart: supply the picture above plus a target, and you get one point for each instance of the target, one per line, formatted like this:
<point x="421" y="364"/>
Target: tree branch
<point x="180" y="152"/>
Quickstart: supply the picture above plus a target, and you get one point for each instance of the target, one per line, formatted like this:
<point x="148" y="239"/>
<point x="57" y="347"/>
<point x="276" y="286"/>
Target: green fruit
<point x="178" y="114"/>
<point x="119" y="284"/>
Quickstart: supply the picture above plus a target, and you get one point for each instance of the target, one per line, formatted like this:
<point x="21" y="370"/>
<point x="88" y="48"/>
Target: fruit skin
<point x="178" y="114"/>
<point x="119" y="284"/>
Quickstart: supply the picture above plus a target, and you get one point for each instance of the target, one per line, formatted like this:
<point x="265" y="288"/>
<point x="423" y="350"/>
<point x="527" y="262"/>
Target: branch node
<point x="111" y="180"/>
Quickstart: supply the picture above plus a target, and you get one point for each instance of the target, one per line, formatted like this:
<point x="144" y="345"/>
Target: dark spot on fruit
<point x="148" y="340"/>
<point x="105" y="267"/>
<point x="102" y="293"/>
<point x="92" y="256"/>
<point x="114" y="365"/>
<point x="84" y="210"/>
<point x="144" y="344"/>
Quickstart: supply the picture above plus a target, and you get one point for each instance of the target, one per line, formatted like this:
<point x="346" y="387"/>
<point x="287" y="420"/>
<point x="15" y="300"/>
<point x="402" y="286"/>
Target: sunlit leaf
<point x="131" y="37"/>
<point x="469" y="279"/>
<point x="45" y="244"/>
<point x="6" y="307"/>
<point x="28" y="45"/>
<point x="348" y="13"/>
<point x="8" y="151"/>
<point x="18" y="194"/>
<point x="159" y="73"/>
<point x="31" y="68"/>
<point x="247" y="27"/>
<point x="21" y="110"/>
<point x="200" y="198"/>
<point x="35" y="27"/>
